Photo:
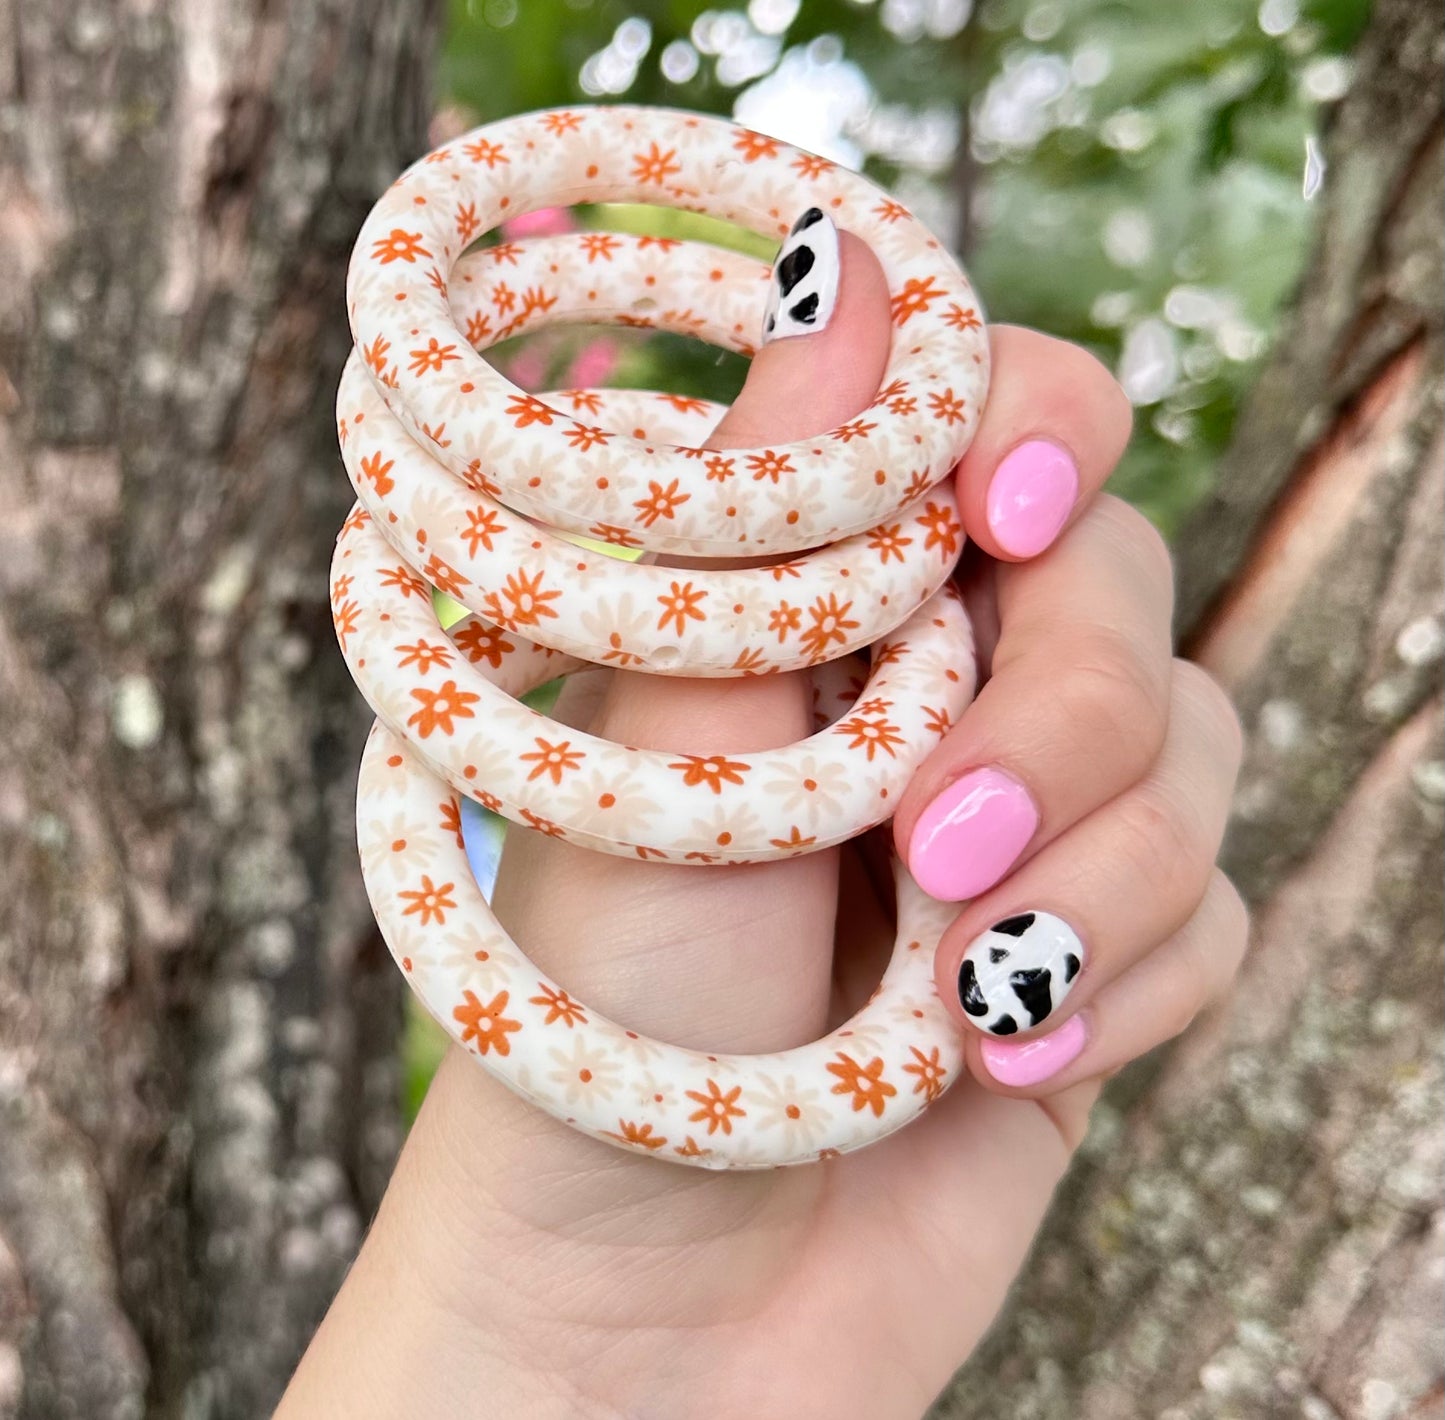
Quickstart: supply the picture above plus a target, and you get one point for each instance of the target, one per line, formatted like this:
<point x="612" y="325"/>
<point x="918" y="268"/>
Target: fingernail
<point x="1015" y="975"/>
<point x="971" y="835"/>
<point x="1020" y="1063"/>
<point x="804" y="288"/>
<point x="1030" y="497"/>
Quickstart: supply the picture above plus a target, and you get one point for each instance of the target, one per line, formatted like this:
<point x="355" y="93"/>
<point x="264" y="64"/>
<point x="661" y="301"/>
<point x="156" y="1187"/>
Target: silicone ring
<point x="401" y="317"/>
<point x="871" y="1076"/>
<point x="472" y="487"/>
<point x="457" y="708"/>
<point x="483" y="552"/>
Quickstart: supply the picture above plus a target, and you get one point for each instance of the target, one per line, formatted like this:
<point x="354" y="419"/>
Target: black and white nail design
<point x="804" y="288"/>
<point x="1015" y="974"/>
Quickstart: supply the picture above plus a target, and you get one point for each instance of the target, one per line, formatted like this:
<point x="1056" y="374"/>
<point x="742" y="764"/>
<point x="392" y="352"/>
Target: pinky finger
<point x="1152" y="1002"/>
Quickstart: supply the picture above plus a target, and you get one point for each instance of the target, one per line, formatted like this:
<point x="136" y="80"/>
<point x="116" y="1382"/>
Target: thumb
<point x="737" y="959"/>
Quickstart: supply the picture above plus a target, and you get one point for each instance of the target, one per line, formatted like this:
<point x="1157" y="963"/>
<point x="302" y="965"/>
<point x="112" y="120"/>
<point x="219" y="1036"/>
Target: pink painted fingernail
<point x="971" y="835"/>
<point x="1030" y="497"/>
<point x="1020" y="1063"/>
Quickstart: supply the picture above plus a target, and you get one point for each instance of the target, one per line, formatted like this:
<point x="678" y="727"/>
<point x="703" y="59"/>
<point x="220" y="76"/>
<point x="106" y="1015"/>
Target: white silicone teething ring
<point x="451" y="462"/>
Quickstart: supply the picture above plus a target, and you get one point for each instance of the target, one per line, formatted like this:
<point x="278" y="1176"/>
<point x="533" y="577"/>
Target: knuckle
<point x="1089" y="375"/>
<point x="1139" y="541"/>
<point x="1164" y="844"/>
<point x="1211" y="946"/>
<point x="1112" y="694"/>
<point x="1214" y="710"/>
<point x="1233" y="930"/>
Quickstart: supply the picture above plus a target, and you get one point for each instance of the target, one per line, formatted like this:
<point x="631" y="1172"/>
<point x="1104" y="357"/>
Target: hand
<point x="519" y="1268"/>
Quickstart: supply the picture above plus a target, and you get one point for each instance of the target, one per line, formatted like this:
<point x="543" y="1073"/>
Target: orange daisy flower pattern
<point x="865" y="1083"/>
<point x="860" y="522"/>
<point x="440" y="709"/>
<point x="484" y="1023"/>
<point x="718" y="1109"/>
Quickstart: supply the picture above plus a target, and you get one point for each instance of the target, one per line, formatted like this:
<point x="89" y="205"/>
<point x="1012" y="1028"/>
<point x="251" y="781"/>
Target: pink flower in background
<point x="527" y="368"/>
<point x="547" y="222"/>
<point x="593" y="365"/>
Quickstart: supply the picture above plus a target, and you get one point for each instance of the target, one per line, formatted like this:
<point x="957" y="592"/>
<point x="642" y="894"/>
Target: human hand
<point x="520" y="1268"/>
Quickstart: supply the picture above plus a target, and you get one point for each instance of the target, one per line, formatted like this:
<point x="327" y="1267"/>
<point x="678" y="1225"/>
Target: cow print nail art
<point x="804" y="288"/>
<point x="1016" y="974"/>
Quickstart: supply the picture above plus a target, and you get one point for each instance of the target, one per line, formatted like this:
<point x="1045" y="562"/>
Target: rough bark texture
<point x="198" y="1093"/>
<point x="1255" y="1228"/>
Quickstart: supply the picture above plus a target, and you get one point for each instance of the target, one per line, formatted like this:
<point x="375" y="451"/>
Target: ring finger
<point x="1098" y="899"/>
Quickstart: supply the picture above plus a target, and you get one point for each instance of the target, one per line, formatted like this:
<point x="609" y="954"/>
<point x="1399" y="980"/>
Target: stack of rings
<point x="469" y="486"/>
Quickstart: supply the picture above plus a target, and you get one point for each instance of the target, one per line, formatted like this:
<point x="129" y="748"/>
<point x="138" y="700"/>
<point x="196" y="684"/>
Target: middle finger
<point x="1073" y="713"/>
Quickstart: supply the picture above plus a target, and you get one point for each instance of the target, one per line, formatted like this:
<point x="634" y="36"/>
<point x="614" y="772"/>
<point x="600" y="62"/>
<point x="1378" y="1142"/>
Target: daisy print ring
<point x="511" y="503"/>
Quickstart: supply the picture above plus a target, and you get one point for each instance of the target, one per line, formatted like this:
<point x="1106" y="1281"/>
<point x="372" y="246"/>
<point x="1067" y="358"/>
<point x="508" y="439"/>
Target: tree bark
<point x="1255" y="1226"/>
<point x="198" y="1081"/>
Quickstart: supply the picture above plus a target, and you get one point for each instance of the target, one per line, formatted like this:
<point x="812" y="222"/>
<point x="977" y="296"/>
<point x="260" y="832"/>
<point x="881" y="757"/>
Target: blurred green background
<point x="1133" y="175"/>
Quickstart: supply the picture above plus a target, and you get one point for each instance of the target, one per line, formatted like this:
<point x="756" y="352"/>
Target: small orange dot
<point x="398" y="845"/>
<point x="602" y="483"/>
<point x="591" y="169"/>
<point x="810" y="784"/>
<point x="724" y="839"/>
<point x="470" y="772"/>
<point x="394" y="760"/>
<point x="533" y="482"/>
<point x="793" y="1112"/>
<point x="639" y="433"/>
<point x="406" y="963"/>
<point x="879" y="477"/>
<point x="482" y="955"/>
<point x="658" y="1098"/>
<point x="630" y="1034"/>
<point x="715" y="274"/>
<point x="650" y="281"/>
<point x="606" y="801"/>
<point x="585" y="1076"/>
<point x="535" y="546"/>
<point x="732" y="512"/>
<point x="581" y="566"/>
<point x="792" y="516"/>
<point x="737" y="609"/>
<point x="400" y="296"/>
<point x="918" y="1013"/>
<point x="468" y="387"/>
<point x="505" y="202"/>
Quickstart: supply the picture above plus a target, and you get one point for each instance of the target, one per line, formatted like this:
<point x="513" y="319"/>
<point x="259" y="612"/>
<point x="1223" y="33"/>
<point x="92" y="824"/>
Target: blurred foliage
<point x="1134" y="170"/>
<point x="1127" y="174"/>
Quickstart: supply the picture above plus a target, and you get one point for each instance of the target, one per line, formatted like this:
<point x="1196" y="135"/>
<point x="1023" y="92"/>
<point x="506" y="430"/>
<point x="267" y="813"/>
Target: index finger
<point x="1073" y="714"/>
<point x="1054" y="426"/>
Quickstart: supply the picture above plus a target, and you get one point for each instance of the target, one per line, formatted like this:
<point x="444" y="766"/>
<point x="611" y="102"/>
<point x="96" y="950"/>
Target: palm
<point x="906" y="1249"/>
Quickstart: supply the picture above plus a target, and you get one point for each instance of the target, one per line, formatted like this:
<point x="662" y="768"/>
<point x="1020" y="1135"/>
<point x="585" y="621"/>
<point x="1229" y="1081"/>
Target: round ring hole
<point x="665" y="656"/>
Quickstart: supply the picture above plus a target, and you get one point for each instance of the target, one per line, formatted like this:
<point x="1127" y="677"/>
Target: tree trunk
<point x="198" y="1081"/>
<point x="1255" y="1227"/>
